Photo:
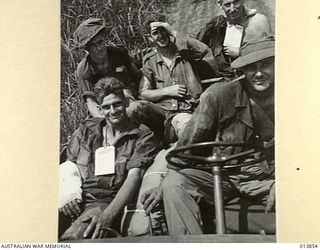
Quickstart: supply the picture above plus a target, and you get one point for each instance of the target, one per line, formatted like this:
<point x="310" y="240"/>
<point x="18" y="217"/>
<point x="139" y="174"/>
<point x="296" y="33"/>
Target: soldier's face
<point x="233" y="9"/>
<point x="114" y="109"/>
<point x="159" y="36"/>
<point x="97" y="48"/>
<point x="260" y="75"/>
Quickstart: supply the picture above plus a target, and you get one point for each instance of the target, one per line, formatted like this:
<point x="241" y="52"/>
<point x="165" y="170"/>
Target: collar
<point x="131" y="129"/>
<point x="96" y="125"/>
<point x="160" y="58"/>
<point x="242" y="103"/>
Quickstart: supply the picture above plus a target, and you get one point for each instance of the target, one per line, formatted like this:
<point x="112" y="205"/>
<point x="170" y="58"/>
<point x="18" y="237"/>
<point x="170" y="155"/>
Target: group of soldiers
<point x="136" y="113"/>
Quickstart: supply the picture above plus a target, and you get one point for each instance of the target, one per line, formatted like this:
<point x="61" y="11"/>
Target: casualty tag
<point x="233" y="37"/>
<point x="104" y="161"/>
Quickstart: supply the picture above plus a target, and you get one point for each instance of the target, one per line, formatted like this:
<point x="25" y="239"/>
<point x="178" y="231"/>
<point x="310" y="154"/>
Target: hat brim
<point x="91" y="37"/>
<point x="253" y="57"/>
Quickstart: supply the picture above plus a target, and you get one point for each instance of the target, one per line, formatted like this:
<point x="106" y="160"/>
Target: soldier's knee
<point x="171" y="187"/>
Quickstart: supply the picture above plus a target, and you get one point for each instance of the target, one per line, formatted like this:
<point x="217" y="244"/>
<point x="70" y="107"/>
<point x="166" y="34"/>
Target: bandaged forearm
<point x="70" y="183"/>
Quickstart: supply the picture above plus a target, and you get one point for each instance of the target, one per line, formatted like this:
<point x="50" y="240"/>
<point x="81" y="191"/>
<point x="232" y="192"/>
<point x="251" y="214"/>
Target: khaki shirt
<point x="134" y="148"/>
<point x="225" y="113"/>
<point x="181" y="72"/>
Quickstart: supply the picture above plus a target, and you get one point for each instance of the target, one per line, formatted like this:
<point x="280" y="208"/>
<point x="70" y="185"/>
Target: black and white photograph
<point x="167" y="121"/>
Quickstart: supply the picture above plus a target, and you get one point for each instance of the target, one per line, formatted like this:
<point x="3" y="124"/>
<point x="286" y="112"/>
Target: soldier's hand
<point x="72" y="208"/>
<point x="99" y="221"/>
<point x="231" y="51"/>
<point x="151" y="198"/>
<point x="177" y="90"/>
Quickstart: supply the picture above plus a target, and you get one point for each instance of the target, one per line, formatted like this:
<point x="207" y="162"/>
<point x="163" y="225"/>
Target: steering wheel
<point x="249" y="154"/>
<point x="183" y="157"/>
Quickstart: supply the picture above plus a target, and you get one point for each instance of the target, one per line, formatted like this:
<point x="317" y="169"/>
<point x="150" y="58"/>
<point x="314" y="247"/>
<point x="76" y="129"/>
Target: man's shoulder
<point x="211" y="27"/>
<point x="222" y="89"/>
<point x="257" y="16"/>
<point x="92" y="123"/>
<point x="250" y="12"/>
<point x="83" y="67"/>
<point x="141" y="129"/>
<point x="216" y="21"/>
<point x="150" y="55"/>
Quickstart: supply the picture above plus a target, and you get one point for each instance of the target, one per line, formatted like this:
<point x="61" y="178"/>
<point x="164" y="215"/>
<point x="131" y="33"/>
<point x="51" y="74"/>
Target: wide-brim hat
<point x="253" y="52"/>
<point x="87" y="30"/>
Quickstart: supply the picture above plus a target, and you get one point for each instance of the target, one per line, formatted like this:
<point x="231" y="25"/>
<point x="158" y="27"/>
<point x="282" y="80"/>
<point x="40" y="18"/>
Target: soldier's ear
<point x="100" y="109"/>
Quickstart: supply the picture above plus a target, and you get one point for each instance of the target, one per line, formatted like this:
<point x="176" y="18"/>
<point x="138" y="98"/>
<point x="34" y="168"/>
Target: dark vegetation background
<point x="125" y="20"/>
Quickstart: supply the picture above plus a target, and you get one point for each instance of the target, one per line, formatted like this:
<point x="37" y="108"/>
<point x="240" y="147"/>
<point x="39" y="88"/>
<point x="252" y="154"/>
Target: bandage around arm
<point x="69" y="183"/>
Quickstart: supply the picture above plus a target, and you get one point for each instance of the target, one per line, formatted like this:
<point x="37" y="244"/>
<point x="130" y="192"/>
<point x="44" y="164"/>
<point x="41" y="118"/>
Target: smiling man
<point x="170" y="86"/>
<point x="238" y="111"/>
<point x="110" y="155"/>
<point x="225" y="34"/>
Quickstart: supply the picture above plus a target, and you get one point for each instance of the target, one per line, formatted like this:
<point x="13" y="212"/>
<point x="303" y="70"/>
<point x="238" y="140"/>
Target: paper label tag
<point x="233" y="37"/>
<point x="104" y="161"/>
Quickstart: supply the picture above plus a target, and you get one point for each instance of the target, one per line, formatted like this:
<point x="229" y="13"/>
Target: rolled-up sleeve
<point x="147" y="81"/>
<point x="145" y="150"/>
<point x="144" y="84"/>
<point x="85" y="87"/>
